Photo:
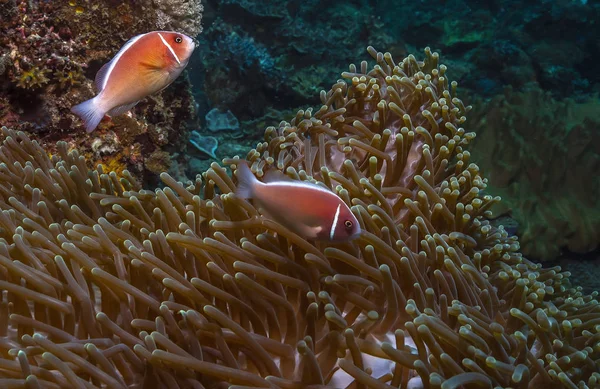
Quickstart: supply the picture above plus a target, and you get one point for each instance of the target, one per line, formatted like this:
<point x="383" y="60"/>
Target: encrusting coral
<point x="50" y="52"/>
<point x="109" y="285"/>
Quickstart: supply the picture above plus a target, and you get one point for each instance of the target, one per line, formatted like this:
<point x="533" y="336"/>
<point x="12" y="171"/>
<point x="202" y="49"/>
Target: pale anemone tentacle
<point x="106" y="284"/>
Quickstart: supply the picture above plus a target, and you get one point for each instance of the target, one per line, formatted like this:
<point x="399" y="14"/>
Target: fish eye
<point x="348" y="224"/>
<point x="178" y="39"/>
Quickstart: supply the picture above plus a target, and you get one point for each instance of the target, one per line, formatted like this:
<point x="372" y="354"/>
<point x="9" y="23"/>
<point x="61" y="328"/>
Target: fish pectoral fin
<point x="151" y="66"/>
<point x="121" y="109"/>
<point x="306" y="231"/>
<point x="313" y="232"/>
<point x="155" y="76"/>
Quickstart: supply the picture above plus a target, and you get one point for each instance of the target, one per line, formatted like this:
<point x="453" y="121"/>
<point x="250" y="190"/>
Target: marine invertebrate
<point x="205" y="144"/>
<point x="242" y="72"/>
<point x="33" y="78"/>
<point x="278" y="53"/>
<point x="184" y="16"/>
<point x="242" y="54"/>
<point x="542" y="157"/>
<point x="158" y="161"/>
<point x="194" y="287"/>
<point x="49" y="53"/>
<point x="221" y="121"/>
<point x="39" y="55"/>
<point x="68" y="78"/>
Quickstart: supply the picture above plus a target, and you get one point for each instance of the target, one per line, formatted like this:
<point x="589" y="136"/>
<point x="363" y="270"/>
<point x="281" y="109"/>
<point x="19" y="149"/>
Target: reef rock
<point x="50" y="52"/>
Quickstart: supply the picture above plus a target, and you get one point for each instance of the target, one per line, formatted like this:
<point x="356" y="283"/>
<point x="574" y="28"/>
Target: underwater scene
<point x="299" y="194"/>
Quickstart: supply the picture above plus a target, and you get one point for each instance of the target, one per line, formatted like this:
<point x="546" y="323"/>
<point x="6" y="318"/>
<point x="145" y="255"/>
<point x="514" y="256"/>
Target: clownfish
<point x="309" y="210"/>
<point x="146" y="64"/>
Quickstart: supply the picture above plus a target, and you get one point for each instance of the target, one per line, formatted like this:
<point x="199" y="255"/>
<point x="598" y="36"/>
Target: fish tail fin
<point x="90" y="112"/>
<point x="246" y="180"/>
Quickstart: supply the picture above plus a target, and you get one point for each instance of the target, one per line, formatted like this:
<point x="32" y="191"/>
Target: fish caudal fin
<point x="246" y="180"/>
<point x="90" y="113"/>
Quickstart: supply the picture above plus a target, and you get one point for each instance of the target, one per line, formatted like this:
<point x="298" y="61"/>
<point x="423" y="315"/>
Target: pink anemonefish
<point x="146" y="64"/>
<point x="311" y="211"/>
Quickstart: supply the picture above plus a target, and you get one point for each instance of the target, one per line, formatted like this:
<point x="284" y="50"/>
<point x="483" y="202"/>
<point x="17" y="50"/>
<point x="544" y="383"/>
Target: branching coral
<point x="109" y="285"/>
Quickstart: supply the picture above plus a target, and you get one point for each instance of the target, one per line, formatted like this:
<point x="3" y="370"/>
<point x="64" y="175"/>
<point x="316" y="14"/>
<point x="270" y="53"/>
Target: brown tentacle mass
<point x="107" y="285"/>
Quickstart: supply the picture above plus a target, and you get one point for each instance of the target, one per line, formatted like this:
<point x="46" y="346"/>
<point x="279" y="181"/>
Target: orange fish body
<point x="146" y="64"/>
<point x="309" y="210"/>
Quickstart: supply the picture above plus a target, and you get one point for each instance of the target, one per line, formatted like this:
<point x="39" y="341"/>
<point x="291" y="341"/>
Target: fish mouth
<point x="355" y="235"/>
<point x="192" y="42"/>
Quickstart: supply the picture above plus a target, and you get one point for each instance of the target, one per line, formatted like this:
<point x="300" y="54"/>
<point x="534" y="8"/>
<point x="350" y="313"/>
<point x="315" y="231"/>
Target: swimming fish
<point x="146" y="64"/>
<point x="307" y="209"/>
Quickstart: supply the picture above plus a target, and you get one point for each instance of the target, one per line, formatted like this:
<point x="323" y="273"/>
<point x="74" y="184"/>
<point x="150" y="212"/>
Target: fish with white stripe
<point x="145" y="65"/>
<point x="309" y="210"/>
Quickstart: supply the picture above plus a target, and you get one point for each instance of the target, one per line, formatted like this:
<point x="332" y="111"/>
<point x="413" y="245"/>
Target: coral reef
<point x="259" y="46"/>
<point x="221" y="121"/>
<point x="110" y="285"/>
<point x="506" y="42"/>
<point x="279" y="54"/>
<point x="49" y="54"/>
<point x="205" y="144"/>
<point x="184" y="16"/>
<point x="542" y="157"/>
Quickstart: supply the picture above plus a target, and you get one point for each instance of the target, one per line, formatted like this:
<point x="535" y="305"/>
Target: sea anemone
<point x="110" y="285"/>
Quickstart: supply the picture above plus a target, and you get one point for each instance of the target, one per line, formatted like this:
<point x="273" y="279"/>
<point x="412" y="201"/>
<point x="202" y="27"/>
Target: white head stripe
<point x="335" y="220"/>
<point x="169" y="47"/>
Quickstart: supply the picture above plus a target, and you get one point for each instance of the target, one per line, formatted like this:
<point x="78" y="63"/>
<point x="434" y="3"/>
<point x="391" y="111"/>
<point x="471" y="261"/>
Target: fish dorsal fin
<point x="104" y="72"/>
<point x="121" y="109"/>
<point x="101" y="76"/>
<point x="274" y="175"/>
